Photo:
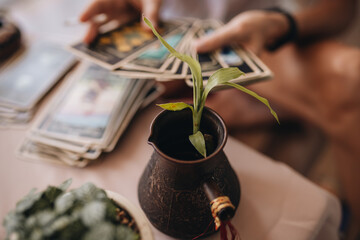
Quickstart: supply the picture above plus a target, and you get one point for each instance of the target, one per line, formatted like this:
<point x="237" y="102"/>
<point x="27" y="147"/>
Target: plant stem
<point x="197" y="119"/>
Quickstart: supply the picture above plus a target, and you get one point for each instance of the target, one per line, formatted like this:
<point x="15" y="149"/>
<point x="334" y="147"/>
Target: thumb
<point x="221" y="37"/>
<point x="151" y="11"/>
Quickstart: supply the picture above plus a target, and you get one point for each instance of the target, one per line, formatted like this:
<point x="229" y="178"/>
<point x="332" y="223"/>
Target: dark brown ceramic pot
<point x="178" y="185"/>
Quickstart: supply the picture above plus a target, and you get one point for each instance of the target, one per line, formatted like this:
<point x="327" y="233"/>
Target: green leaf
<point x="28" y="201"/>
<point x="86" y="192"/>
<point x="93" y="213"/>
<point x="36" y="234"/>
<point x="175" y="106"/>
<point x="64" y="202"/>
<point x="45" y="217"/>
<point x="74" y="231"/>
<point x="39" y="205"/>
<point x="30" y="222"/>
<point x="221" y="76"/>
<point x="261" y="99"/>
<point x="104" y="231"/>
<point x="52" y="193"/>
<point x="125" y="233"/>
<point x="13" y="221"/>
<point x="198" y="141"/>
<point x="65" y="185"/>
<point x="193" y="64"/>
<point x="60" y="223"/>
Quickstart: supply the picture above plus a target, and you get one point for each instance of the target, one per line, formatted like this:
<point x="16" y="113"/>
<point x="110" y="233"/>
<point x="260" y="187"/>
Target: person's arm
<point x="325" y="18"/>
<point x="260" y="28"/>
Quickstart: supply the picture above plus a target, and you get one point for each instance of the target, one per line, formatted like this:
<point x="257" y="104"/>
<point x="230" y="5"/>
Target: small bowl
<point x="135" y="212"/>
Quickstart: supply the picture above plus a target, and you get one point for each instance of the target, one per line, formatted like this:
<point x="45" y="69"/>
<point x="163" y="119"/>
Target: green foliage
<point x="54" y="214"/>
<point x="198" y="141"/>
<point x="220" y="77"/>
<point x="175" y="106"/>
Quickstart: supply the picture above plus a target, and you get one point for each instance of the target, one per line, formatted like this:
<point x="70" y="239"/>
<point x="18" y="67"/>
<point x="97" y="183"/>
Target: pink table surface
<point x="276" y="203"/>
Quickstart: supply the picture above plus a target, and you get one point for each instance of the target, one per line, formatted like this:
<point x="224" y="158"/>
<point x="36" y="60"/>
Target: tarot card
<point x="155" y="57"/>
<point x="229" y="56"/>
<point x="87" y="107"/>
<point x="9" y="112"/>
<point x="129" y="114"/>
<point x="93" y="150"/>
<point x="148" y="93"/>
<point x="49" y="144"/>
<point x="154" y="93"/>
<point x="166" y="76"/>
<point x="259" y="64"/>
<point x="59" y="143"/>
<point x="173" y="66"/>
<point x="26" y="80"/>
<point x="247" y="64"/>
<point x="255" y="70"/>
<point x="30" y="151"/>
<point x="111" y="49"/>
<point x="208" y="61"/>
<point x="234" y="56"/>
<point x="16" y="119"/>
<point x="138" y="91"/>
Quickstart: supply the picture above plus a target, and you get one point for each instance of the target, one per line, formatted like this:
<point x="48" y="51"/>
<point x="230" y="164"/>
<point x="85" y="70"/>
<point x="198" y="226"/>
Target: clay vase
<point x="178" y="184"/>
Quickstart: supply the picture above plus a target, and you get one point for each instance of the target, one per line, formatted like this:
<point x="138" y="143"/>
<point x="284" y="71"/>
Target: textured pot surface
<point x="171" y="189"/>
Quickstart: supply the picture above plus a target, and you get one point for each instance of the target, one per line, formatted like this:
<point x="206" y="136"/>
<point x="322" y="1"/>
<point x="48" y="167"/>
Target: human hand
<point x="252" y="29"/>
<point x="123" y="11"/>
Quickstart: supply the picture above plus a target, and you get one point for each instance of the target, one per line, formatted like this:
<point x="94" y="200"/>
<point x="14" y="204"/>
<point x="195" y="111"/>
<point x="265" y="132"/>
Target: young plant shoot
<point x="220" y="77"/>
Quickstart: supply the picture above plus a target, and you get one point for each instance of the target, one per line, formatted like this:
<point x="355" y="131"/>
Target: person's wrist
<point x="284" y="28"/>
<point x="277" y="27"/>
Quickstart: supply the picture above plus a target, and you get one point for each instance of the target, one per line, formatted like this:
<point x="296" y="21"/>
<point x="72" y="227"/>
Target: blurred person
<point x="316" y="78"/>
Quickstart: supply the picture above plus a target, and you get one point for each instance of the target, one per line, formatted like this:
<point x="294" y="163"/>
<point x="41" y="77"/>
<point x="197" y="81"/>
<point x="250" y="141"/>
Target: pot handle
<point x="221" y="207"/>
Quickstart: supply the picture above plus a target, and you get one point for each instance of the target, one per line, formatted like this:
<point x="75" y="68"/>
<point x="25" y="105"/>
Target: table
<point x="277" y="203"/>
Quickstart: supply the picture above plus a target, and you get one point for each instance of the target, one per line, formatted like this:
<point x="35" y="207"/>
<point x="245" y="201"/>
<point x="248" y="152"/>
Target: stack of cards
<point x="27" y="78"/>
<point x="230" y="56"/>
<point x="88" y="116"/>
<point x="133" y="52"/>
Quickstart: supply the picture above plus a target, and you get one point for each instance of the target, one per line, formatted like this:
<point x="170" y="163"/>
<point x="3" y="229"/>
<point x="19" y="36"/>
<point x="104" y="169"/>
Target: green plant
<point x="83" y="213"/>
<point x="220" y="77"/>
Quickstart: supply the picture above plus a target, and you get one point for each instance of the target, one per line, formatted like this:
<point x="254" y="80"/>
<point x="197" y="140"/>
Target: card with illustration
<point x="111" y="49"/>
<point x="155" y="57"/>
<point x="26" y="80"/>
<point x="72" y="128"/>
<point x="85" y="111"/>
<point x="133" y="106"/>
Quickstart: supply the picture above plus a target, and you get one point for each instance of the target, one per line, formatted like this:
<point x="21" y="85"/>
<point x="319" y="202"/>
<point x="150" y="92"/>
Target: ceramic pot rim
<point x="141" y="220"/>
<point x="217" y="151"/>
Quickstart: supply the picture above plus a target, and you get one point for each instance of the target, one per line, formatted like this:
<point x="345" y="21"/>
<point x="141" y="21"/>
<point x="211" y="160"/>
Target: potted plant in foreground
<point x="85" y="213"/>
<point x="188" y="182"/>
